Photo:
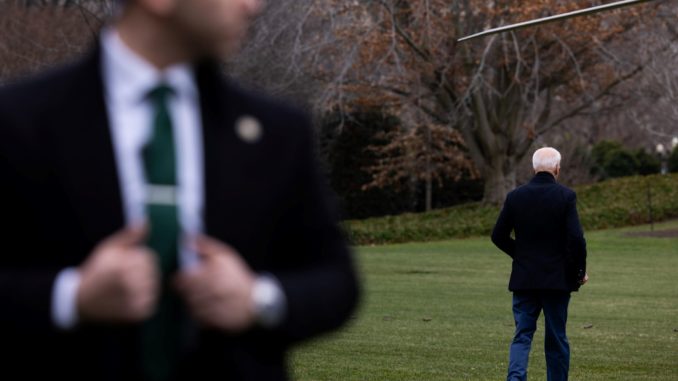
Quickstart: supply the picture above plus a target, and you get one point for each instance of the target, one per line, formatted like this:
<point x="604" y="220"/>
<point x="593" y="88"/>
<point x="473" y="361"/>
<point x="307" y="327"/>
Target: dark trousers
<point x="527" y="305"/>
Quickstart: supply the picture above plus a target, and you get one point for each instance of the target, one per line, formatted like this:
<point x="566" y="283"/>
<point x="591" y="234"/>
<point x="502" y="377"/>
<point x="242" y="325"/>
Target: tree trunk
<point x="429" y="170"/>
<point x="429" y="193"/>
<point x="500" y="178"/>
<point x="414" y="200"/>
<point x="496" y="144"/>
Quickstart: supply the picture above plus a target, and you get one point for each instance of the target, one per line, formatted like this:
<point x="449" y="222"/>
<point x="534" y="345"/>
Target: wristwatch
<point x="269" y="301"/>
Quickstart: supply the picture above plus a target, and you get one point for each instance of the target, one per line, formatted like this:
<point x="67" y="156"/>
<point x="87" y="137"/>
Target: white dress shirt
<point x="127" y="80"/>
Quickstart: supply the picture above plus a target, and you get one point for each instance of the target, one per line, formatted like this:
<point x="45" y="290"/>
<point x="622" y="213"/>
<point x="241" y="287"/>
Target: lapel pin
<point x="249" y="129"/>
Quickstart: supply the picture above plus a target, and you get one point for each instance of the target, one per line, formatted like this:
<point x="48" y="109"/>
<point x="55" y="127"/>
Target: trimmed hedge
<point x="613" y="203"/>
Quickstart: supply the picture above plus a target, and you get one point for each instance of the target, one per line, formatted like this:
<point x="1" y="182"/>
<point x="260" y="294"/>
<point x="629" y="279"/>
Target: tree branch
<point x="576" y="110"/>
<point x="406" y="37"/>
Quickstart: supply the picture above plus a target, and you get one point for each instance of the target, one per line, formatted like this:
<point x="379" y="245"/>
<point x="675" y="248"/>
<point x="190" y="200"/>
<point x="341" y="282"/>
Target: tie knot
<point x="160" y="93"/>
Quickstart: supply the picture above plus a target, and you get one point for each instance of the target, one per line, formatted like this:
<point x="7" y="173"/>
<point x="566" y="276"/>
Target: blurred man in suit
<point x="160" y="223"/>
<point x="549" y="262"/>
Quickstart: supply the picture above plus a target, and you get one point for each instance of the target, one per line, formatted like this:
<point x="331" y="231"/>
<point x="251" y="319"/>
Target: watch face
<point x="269" y="302"/>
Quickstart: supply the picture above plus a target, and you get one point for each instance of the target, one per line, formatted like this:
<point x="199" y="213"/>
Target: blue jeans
<point x="527" y="305"/>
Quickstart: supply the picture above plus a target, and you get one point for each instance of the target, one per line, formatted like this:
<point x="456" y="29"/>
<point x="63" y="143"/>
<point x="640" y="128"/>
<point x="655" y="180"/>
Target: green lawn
<point x="441" y="311"/>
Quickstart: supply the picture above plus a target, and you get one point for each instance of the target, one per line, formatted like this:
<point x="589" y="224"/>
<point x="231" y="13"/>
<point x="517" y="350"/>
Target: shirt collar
<point x="128" y="77"/>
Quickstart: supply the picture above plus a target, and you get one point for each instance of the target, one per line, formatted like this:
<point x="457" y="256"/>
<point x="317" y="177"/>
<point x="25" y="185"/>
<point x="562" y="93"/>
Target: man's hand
<point x="120" y="281"/>
<point x="585" y="279"/>
<point x="218" y="291"/>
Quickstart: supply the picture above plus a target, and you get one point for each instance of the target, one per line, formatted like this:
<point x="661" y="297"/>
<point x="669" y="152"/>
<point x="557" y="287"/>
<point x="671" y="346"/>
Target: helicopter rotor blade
<point x="563" y="16"/>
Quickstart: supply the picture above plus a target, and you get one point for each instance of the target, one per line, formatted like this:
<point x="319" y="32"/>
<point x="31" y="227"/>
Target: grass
<point x="608" y="204"/>
<point x="441" y="311"/>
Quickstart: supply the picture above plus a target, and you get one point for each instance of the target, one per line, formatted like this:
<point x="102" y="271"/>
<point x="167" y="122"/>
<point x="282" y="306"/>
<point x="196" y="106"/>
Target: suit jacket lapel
<point x="218" y="112"/>
<point x="85" y="153"/>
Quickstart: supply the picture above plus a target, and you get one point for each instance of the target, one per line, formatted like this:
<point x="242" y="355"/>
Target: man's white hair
<point x="546" y="159"/>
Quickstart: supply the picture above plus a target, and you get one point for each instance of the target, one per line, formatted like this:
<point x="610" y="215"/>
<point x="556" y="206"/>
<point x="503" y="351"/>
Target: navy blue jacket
<point x="549" y="250"/>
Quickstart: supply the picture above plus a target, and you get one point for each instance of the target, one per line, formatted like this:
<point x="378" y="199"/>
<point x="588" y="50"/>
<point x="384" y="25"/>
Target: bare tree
<point x="503" y="94"/>
<point x="641" y="112"/>
<point x="35" y="35"/>
<point x="426" y="153"/>
<point x="657" y="90"/>
<point x="285" y="44"/>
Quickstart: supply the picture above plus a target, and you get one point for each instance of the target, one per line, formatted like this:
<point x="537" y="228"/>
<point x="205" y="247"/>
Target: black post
<point x="649" y="203"/>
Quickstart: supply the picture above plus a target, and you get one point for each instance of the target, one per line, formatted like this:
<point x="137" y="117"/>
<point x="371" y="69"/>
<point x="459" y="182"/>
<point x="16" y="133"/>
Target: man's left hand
<point x="218" y="292"/>
<point x="584" y="279"/>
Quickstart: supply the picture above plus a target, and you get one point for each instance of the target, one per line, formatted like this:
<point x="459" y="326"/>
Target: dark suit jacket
<point x="60" y="196"/>
<point x="549" y="250"/>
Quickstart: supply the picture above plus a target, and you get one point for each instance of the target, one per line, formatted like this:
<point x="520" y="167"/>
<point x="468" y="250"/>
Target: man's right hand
<point x="120" y="281"/>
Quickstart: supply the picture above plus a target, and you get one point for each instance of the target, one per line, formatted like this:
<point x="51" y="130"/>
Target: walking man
<point x="549" y="262"/>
